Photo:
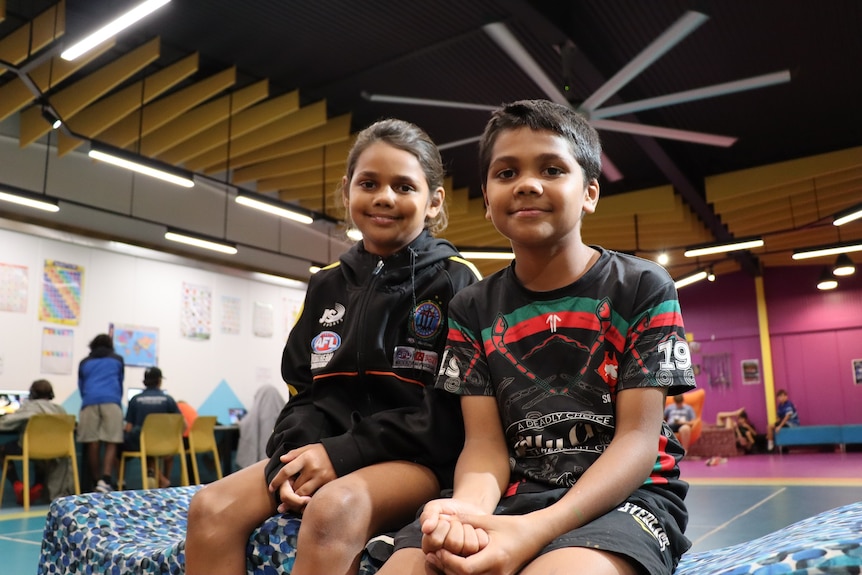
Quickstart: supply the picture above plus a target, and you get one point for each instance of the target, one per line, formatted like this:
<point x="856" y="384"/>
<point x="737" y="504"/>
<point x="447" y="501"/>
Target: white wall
<point x="128" y="285"/>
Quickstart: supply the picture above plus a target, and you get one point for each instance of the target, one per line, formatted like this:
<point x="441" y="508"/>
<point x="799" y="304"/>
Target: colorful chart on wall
<point x="137" y="345"/>
<point x="196" y="321"/>
<point x="61" y="293"/>
<point x="13" y="288"/>
<point x="57" y="344"/>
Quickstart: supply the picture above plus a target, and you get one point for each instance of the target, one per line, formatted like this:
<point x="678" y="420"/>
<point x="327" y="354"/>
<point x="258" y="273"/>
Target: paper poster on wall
<point x="263" y="319"/>
<point x="196" y="321"/>
<point x="13" y="288"/>
<point x="57" y="350"/>
<point x="750" y="371"/>
<point x="61" y="293"/>
<point x="137" y="345"/>
<point x="292" y="309"/>
<point x="231" y="309"/>
<point x="857" y="371"/>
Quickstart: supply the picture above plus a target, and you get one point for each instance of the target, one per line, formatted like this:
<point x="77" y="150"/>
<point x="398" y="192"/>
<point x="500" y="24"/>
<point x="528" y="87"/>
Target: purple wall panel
<point x="814" y="336"/>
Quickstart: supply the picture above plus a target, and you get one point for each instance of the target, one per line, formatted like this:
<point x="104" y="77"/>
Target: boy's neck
<point x="541" y="270"/>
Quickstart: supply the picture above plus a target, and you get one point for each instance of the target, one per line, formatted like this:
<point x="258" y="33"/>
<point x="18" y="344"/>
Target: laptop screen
<point x="11" y="400"/>
<point x="235" y="414"/>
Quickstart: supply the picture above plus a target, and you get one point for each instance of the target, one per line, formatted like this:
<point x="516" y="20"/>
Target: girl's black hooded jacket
<point x="361" y="361"/>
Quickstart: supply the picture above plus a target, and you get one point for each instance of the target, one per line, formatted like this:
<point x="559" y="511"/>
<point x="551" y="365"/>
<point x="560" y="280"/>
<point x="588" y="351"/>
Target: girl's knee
<point x="337" y="510"/>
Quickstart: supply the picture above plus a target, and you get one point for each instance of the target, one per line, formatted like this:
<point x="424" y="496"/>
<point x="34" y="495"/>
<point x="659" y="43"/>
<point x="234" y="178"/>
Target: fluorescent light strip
<point x="47" y="206"/>
<point x="141" y="168"/>
<point x="826" y="251"/>
<point x="112" y="29"/>
<point x="273" y="209"/>
<point x="722" y="248"/>
<point x="200" y="243"/>
<point x="688" y="280"/>
<point x="849" y="217"/>
<point x="479" y="255"/>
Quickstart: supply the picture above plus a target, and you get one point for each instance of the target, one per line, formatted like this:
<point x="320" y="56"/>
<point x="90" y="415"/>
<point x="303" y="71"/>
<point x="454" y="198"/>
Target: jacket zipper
<point x="360" y="353"/>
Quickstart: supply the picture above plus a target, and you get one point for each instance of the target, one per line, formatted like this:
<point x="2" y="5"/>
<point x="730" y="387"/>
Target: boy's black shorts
<point x="647" y="528"/>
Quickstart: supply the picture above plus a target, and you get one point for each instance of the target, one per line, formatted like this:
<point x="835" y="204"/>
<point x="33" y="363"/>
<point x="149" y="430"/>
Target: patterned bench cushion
<point x="144" y="531"/>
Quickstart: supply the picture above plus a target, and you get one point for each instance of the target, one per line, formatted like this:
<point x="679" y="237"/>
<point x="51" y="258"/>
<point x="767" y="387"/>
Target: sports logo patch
<point x="326" y="342"/>
<point x="332" y="316"/>
<point x="427" y="319"/>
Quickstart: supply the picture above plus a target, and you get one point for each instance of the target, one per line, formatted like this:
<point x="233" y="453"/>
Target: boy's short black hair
<point x="41" y="389"/>
<point x="544" y="115"/>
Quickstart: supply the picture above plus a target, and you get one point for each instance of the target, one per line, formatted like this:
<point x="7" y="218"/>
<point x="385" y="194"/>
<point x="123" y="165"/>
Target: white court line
<point x="735" y="517"/>
<point x="16" y="540"/>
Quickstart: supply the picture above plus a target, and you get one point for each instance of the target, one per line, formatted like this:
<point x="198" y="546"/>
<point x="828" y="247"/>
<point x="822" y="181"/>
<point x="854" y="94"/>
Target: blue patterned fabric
<point x="144" y="532"/>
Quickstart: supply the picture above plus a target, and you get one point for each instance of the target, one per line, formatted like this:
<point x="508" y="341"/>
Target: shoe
<point x="103" y="486"/>
<point x="151" y="482"/>
<point x="18" y="488"/>
<point x="36" y="492"/>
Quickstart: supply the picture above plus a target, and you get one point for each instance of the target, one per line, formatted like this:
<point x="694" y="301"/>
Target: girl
<point x="365" y="439"/>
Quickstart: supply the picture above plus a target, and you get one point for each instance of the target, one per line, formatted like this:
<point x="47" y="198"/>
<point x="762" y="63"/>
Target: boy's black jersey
<point x="555" y="361"/>
<point x="361" y="361"/>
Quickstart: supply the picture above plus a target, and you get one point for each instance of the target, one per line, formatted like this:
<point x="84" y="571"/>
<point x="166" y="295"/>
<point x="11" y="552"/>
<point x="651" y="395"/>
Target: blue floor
<point x="719" y="515"/>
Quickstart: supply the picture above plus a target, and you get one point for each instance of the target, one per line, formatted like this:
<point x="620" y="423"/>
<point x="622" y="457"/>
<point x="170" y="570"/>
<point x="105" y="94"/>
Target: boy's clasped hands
<point x="459" y="538"/>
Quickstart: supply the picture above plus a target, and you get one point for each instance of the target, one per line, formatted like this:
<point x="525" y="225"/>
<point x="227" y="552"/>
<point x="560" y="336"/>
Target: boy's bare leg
<point x="345" y="513"/>
<point x="580" y="560"/>
<point x="222" y="515"/>
<point x="409" y="561"/>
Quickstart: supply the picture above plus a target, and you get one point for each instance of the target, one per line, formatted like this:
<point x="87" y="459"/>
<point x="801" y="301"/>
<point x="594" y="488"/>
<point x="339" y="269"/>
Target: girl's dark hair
<point x="549" y="116"/>
<point x="102" y="340"/>
<point x="41" y="389"/>
<point x="410" y="138"/>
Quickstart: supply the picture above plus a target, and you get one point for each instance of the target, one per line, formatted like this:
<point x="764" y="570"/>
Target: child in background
<point x="151" y="400"/>
<point x="787" y="417"/>
<point x="365" y="438"/>
<point x="562" y="362"/>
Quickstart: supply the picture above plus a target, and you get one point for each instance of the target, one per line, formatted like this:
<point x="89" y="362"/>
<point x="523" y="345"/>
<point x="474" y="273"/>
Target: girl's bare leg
<point x="345" y="513"/>
<point x="222" y="515"/>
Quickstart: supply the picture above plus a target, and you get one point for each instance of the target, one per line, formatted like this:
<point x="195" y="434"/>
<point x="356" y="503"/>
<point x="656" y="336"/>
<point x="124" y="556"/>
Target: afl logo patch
<point x="326" y="342"/>
<point x="427" y="318"/>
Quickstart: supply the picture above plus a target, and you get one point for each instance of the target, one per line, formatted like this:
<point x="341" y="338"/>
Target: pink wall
<point x="814" y="336"/>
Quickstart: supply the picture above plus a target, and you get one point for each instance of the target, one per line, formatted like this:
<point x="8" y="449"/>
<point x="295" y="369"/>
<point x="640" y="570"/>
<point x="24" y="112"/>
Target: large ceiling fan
<point x="590" y="107"/>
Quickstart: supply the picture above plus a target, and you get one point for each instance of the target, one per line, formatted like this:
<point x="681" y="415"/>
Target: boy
<point x="151" y="400"/>
<point x="679" y="417"/>
<point x="787" y="417"/>
<point x="562" y="362"/>
<point x="40" y="401"/>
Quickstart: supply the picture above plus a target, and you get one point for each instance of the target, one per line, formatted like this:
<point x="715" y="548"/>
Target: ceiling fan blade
<point x="516" y="51"/>
<point x="673" y="35"/>
<point x="667" y="133"/>
<point x="692" y="95"/>
<point x="426" y="102"/>
<point x="457" y="143"/>
<point x="610" y="170"/>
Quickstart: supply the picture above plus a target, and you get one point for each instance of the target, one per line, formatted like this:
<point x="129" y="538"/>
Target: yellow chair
<point x="47" y="436"/>
<point x="202" y="440"/>
<point x="161" y="436"/>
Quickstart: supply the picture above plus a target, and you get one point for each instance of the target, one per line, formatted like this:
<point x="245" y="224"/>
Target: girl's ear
<point x="345" y="192"/>
<point x="485" y="200"/>
<point x="435" y="202"/>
